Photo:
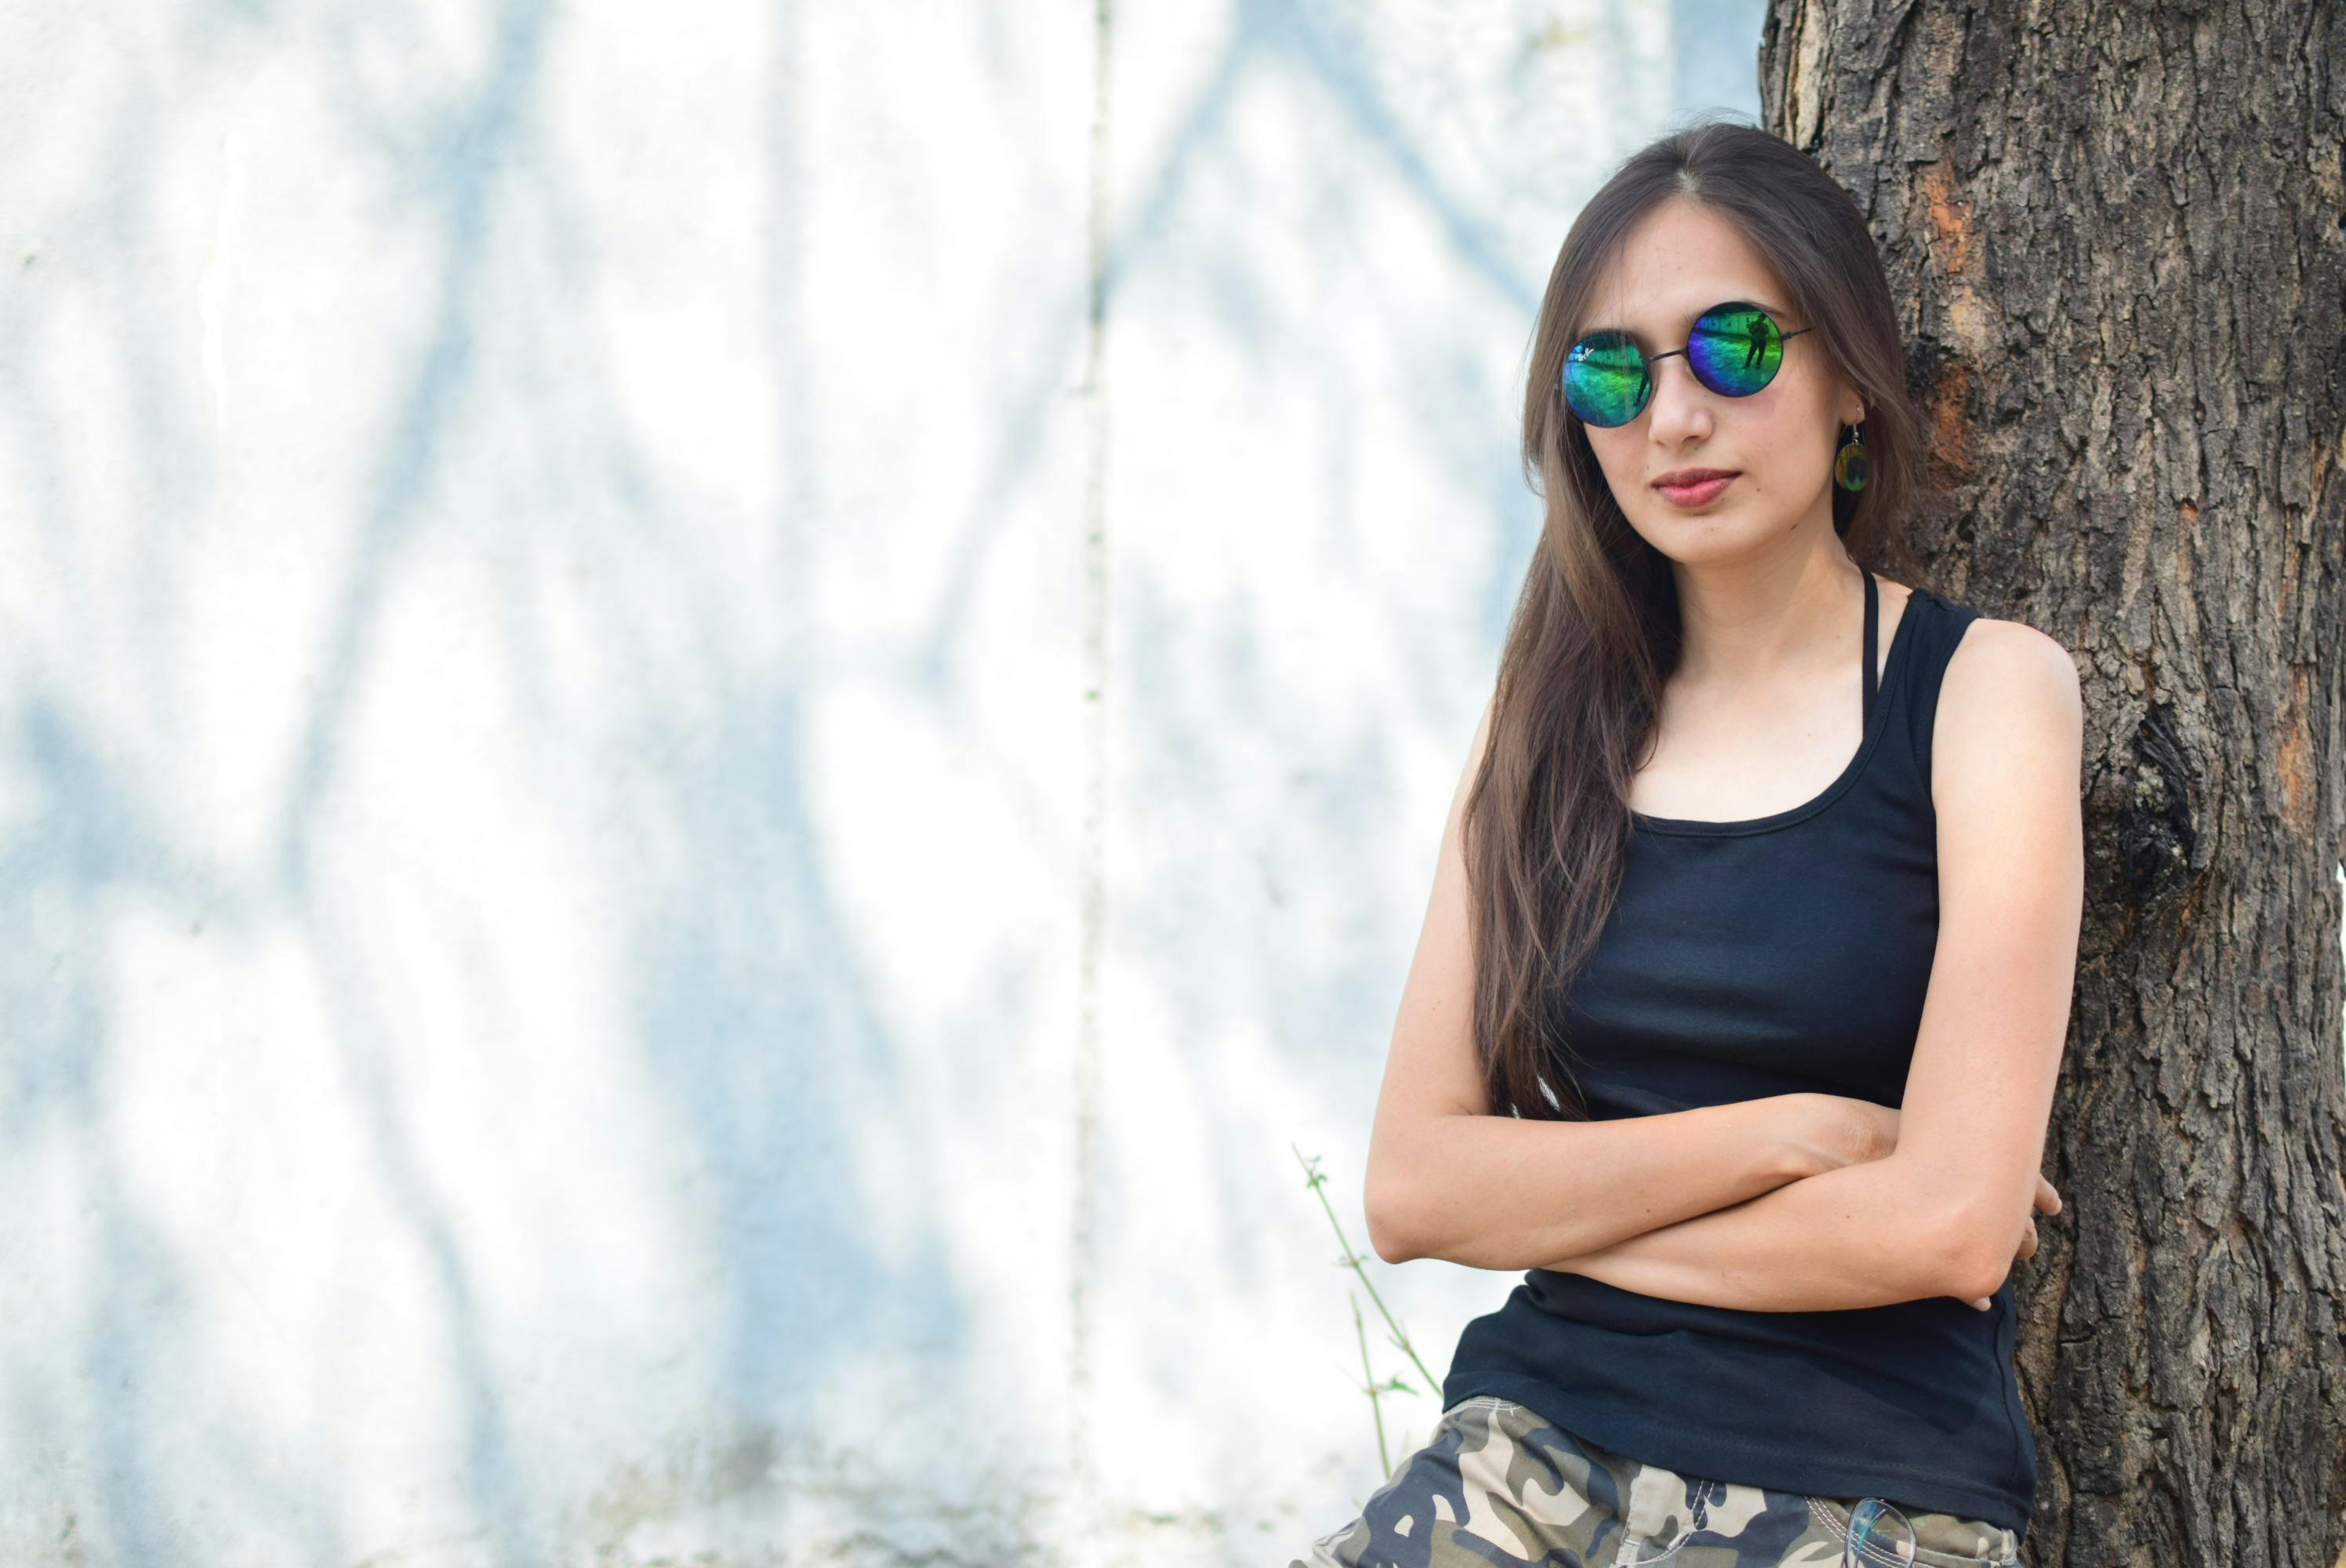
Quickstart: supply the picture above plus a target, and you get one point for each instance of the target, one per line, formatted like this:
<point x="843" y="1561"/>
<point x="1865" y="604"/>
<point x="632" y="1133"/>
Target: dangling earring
<point x="1848" y="467"/>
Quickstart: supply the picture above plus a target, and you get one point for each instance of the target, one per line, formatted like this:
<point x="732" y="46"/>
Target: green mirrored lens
<point x="1735" y="349"/>
<point x="1604" y="379"/>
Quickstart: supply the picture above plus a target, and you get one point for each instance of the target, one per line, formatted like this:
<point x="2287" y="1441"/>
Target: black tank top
<point x="1779" y="953"/>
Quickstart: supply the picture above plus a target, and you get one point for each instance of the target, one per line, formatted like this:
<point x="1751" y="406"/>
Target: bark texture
<point x="2115" y="233"/>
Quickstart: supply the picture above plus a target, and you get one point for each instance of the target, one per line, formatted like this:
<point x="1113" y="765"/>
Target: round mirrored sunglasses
<point x="1734" y="350"/>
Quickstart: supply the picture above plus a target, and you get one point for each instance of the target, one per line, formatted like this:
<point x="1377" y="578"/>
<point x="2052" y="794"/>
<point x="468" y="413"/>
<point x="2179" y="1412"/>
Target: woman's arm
<point x="1818" y="1245"/>
<point x="1448" y="1178"/>
<point x="1860" y="1236"/>
<point x="1506" y="1192"/>
<point x="1947" y="1212"/>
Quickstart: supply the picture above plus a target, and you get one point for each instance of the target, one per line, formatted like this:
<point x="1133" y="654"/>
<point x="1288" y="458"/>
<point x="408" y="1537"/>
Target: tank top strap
<point x="1929" y="631"/>
<point x="1872" y="658"/>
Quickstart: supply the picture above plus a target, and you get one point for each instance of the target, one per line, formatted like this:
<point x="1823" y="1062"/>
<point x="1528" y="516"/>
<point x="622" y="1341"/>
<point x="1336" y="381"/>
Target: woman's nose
<point x="1679" y="400"/>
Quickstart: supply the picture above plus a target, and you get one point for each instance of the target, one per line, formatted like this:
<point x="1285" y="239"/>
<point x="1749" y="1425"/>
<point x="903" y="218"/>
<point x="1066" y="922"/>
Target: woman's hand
<point x="2047" y="1201"/>
<point x="1825" y="1132"/>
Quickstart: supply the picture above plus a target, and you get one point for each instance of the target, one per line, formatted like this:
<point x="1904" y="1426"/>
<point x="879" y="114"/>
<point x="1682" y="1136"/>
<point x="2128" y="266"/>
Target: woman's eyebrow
<point x="1686" y="322"/>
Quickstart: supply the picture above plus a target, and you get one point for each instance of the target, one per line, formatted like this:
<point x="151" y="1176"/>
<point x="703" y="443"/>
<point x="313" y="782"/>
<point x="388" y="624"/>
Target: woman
<point x="1739" y="1005"/>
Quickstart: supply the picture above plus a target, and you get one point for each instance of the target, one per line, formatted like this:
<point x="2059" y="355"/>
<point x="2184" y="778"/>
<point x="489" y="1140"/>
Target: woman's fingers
<point x="2048" y="1202"/>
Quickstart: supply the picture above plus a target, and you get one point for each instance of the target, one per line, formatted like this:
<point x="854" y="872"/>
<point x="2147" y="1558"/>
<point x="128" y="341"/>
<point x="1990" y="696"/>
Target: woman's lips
<point x="1698" y="494"/>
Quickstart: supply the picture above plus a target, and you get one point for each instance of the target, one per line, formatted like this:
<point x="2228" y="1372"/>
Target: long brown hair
<point x="1596" y="630"/>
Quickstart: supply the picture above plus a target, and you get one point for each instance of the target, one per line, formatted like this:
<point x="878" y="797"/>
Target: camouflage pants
<point x="1499" y="1484"/>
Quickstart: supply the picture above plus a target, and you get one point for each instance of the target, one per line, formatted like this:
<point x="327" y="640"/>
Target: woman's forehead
<point x="1679" y="261"/>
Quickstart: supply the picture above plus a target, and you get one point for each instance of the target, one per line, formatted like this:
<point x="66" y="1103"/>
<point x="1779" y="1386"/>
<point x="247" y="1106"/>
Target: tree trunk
<point x="2113" y="233"/>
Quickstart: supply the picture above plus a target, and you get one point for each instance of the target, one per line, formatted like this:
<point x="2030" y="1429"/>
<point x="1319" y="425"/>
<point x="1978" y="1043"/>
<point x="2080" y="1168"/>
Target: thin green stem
<point x="1376" y="1397"/>
<point x="1317" y="1184"/>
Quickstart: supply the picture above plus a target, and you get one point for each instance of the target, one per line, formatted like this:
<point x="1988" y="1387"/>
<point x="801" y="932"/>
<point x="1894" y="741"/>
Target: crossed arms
<point x="1797" y="1202"/>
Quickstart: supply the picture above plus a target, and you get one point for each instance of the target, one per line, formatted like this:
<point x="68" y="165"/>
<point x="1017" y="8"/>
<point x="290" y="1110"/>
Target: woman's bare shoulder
<point x="2011" y="697"/>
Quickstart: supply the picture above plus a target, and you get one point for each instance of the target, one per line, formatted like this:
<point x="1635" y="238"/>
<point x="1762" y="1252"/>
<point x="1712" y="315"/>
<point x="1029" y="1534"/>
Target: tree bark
<point x="2116" y="237"/>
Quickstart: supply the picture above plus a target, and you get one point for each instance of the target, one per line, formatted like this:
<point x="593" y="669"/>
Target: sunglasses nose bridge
<point x="1658" y="371"/>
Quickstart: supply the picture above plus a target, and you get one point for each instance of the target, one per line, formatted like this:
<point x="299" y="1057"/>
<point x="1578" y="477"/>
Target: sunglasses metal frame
<point x="1648" y="360"/>
<point x="1856" y="1551"/>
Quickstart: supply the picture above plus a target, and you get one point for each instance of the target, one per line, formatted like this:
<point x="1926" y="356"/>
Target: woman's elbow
<point x="1975" y="1255"/>
<point x="1389" y="1235"/>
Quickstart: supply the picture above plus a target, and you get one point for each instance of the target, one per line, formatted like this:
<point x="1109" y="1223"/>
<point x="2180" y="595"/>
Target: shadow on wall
<point x="496" y="451"/>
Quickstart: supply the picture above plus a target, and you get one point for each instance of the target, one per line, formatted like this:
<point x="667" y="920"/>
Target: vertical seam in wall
<point x="1092" y="871"/>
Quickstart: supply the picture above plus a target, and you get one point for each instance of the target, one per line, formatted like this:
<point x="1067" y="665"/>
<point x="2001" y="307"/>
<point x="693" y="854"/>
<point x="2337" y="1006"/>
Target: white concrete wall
<point x="717" y="721"/>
